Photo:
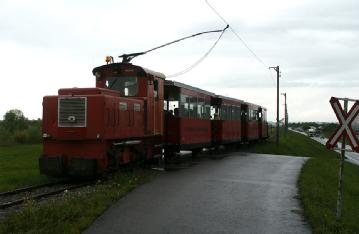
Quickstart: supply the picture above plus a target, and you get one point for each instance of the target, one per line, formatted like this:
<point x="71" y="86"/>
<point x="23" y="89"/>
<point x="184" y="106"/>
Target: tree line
<point x="16" y="128"/>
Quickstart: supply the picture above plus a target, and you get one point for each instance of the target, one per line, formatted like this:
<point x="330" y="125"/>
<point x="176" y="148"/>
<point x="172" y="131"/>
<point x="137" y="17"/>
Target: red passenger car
<point x="263" y="124"/>
<point x="226" y="123"/>
<point x="254" y="122"/>
<point x="187" y="118"/>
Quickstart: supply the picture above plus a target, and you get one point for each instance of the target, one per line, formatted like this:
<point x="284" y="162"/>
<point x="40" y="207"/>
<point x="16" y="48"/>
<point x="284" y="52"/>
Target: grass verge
<point x="318" y="182"/>
<point x="74" y="211"/>
<point x="19" y="166"/>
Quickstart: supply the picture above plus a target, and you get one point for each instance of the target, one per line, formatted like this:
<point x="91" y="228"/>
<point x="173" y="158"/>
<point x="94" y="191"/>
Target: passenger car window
<point x="193" y="107"/>
<point x="184" y="105"/>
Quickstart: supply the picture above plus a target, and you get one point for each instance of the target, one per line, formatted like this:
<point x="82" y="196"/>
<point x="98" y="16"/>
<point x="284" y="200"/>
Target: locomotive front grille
<point x="72" y="111"/>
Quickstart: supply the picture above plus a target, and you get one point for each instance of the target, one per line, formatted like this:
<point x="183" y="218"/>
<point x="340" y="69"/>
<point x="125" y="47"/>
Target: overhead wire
<point x="240" y="38"/>
<point x="200" y="59"/>
<point x="126" y="58"/>
<point x="183" y="38"/>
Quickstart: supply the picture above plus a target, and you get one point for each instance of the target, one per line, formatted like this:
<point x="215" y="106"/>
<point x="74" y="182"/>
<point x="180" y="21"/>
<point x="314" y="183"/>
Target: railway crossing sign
<point x="345" y="120"/>
<point x="343" y="131"/>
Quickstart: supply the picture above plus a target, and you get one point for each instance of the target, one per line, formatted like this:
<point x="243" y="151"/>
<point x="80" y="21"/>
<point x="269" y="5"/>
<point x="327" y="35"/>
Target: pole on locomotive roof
<point x="277" y="128"/>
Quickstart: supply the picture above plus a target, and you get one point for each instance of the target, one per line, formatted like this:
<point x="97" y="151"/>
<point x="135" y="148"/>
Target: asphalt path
<point x="241" y="193"/>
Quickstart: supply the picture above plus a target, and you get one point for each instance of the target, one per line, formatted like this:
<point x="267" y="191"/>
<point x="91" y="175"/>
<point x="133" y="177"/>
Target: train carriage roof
<point x="255" y="105"/>
<point x="185" y="86"/>
<point x="229" y="100"/>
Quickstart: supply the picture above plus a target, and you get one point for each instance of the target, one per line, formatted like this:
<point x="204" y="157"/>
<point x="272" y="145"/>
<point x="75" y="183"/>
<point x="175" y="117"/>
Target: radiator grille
<point x="72" y="111"/>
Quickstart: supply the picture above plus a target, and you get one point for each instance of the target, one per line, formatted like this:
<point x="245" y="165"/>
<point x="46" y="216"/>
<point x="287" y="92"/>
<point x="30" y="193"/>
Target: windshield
<point x="126" y="85"/>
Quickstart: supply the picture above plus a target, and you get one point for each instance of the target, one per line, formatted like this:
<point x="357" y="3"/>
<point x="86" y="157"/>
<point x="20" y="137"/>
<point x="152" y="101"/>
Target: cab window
<point x="126" y="85"/>
<point x="155" y="89"/>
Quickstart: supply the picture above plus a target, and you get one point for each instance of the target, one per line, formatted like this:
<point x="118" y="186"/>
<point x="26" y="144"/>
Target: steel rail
<point x="42" y="195"/>
<point x="30" y="188"/>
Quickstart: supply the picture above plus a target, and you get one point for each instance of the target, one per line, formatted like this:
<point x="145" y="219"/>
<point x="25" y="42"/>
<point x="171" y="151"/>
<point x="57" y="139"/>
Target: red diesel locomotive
<point x="135" y="113"/>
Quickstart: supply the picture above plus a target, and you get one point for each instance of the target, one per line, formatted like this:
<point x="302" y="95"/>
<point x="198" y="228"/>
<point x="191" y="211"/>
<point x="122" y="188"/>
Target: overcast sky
<point x="47" y="45"/>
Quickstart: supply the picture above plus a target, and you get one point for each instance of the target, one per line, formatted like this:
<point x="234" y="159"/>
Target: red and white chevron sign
<point x="345" y="127"/>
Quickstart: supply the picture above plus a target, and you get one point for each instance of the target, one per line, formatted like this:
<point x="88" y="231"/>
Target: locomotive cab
<point x="89" y="130"/>
<point x="132" y="81"/>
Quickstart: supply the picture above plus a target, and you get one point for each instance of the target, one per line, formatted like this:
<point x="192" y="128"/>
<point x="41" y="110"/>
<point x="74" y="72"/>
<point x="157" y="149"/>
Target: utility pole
<point x="277" y="130"/>
<point x="285" y="113"/>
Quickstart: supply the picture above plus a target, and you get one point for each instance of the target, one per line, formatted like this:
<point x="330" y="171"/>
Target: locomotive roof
<point x="185" y="86"/>
<point x="140" y="70"/>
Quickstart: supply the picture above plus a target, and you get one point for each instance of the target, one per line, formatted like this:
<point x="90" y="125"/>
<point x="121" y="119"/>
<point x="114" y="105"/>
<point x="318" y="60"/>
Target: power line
<point x="181" y="39"/>
<point x="126" y="58"/>
<point x="199" y="60"/>
<point x="243" y="42"/>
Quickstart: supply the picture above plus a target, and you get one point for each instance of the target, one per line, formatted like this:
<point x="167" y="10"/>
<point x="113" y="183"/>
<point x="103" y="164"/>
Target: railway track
<point x="18" y="196"/>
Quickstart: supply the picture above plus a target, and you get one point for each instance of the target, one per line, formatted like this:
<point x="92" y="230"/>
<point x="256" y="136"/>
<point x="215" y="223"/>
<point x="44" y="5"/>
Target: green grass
<point x="19" y="166"/>
<point x="294" y="144"/>
<point x="70" y="214"/>
<point x="318" y="183"/>
<point x="73" y="212"/>
<point x="317" y="189"/>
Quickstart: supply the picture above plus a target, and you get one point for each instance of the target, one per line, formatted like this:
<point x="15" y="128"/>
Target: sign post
<point x="345" y="131"/>
<point x="341" y="172"/>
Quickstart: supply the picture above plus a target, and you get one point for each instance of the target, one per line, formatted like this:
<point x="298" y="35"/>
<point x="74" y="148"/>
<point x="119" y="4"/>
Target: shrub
<point x="34" y="133"/>
<point x="21" y="136"/>
<point x="5" y="137"/>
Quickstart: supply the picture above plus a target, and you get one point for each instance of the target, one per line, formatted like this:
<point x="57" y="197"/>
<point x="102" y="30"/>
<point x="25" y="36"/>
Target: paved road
<point x="242" y="193"/>
<point x="350" y="156"/>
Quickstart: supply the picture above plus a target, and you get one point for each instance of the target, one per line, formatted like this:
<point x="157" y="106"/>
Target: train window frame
<point x="225" y="112"/>
<point x="184" y="105"/>
<point x="193" y="107"/>
<point x="264" y="116"/>
<point x="207" y="109"/>
<point x="173" y="107"/>
<point x="119" y="84"/>
<point x="155" y="89"/>
<point x="244" y="114"/>
<point x="123" y="106"/>
<point x="201" y="108"/>
<point x="137" y="107"/>
<point x="222" y="112"/>
<point x="229" y="112"/>
<point x="165" y="105"/>
<point x="234" y="111"/>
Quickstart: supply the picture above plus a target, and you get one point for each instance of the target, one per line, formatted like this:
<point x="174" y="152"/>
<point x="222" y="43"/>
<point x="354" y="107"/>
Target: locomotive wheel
<point x="170" y="157"/>
<point x="217" y="152"/>
<point x="113" y="163"/>
<point x="196" y="152"/>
